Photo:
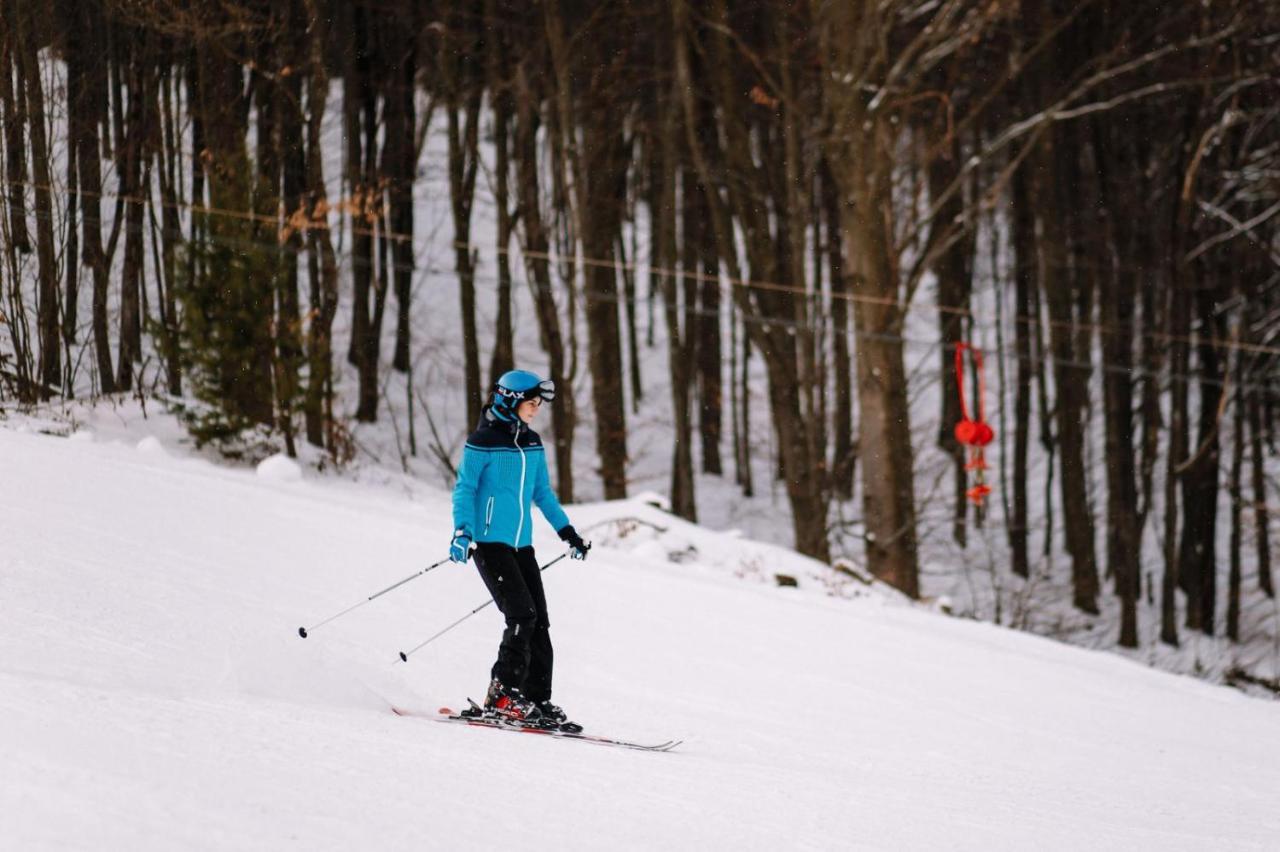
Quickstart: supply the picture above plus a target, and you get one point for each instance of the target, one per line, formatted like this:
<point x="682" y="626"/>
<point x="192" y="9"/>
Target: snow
<point x="279" y="468"/>
<point x="974" y="580"/>
<point x="154" y="693"/>
<point x="151" y="446"/>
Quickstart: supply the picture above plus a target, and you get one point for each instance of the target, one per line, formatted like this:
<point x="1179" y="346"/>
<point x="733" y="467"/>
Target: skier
<point x="503" y="469"/>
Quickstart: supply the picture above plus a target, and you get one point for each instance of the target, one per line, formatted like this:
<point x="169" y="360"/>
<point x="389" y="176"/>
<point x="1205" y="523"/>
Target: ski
<point x="447" y="715"/>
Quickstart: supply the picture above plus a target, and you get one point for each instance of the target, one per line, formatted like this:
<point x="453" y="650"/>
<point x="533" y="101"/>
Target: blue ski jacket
<point x="503" y="471"/>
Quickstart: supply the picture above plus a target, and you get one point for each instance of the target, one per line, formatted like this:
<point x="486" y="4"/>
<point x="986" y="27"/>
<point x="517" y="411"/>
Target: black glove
<point x="577" y="546"/>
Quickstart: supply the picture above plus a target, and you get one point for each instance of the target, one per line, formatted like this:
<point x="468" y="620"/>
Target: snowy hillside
<point x="154" y="693"/>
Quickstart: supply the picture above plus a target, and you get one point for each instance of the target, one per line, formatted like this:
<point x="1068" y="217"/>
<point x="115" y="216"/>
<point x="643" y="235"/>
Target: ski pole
<point x="303" y="631"/>
<point x="404" y="655"/>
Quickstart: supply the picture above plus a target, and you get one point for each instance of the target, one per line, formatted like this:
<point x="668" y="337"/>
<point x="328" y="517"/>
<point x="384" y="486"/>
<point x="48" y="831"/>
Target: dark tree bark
<point x="1257" y="462"/>
<point x="290" y="158"/>
<point x="86" y="91"/>
<point x="702" y="266"/>
<point x="464" y="128"/>
<point x="1124" y="524"/>
<point x="400" y="161"/>
<point x="599" y="164"/>
<point x="953" y="271"/>
<point x="538" y="264"/>
<point x="1070" y="374"/>
<point x="1179" y="325"/>
<point x="170" y="236"/>
<point x="603" y="178"/>
<point x="25" y="41"/>
<point x="132" y="159"/>
<point x="630" y="298"/>
<point x="1236" y="546"/>
<point x="71" y="258"/>
<point x="1197" y="549"/>
<point x="663" y="172"/>
<point x="1025" y="284"/>
<point x="741" y="432"/>
<point x="15" y="123"/>
<point x="775" y="318"/>
<point x="504" y="355"/>
<point x="323" y="262"/>
<point x="844" y="456"/>
<point x="360" y="121"/>
<point x="861" y="147"/>
<point x="498" y="48"/>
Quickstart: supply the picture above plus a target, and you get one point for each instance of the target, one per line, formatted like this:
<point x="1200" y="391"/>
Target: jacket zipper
<point x="520" y="496"/>
<point x="488" y="516"/>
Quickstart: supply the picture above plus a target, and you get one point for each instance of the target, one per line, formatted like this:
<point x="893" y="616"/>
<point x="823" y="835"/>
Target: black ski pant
<point x="524" y="656"/>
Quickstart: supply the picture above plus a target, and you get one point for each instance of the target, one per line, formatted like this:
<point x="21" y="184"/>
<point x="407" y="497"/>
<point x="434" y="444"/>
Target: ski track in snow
<point x="154" y="693"/>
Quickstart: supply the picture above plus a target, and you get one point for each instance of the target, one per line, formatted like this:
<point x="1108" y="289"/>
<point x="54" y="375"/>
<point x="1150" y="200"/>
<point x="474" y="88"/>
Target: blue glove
<point x="460" y="547"/>
<point x="578" y="548"/>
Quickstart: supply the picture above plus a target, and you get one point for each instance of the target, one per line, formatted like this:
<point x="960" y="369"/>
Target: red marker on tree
<point x="971" y="433"/>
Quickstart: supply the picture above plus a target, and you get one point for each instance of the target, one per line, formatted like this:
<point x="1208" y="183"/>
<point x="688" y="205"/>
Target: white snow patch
<point x="279" y="468"/>
<point x="151" y="446"/>
<point x="155" y="694"/>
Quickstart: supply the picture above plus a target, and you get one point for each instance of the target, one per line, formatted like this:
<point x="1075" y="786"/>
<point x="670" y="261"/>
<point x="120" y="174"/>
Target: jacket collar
<point x="490" y="420"/>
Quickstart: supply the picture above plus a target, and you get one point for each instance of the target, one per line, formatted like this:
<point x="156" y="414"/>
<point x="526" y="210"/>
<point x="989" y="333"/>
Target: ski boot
<point x="552" y="716"/>
<point x="508" y="704"/>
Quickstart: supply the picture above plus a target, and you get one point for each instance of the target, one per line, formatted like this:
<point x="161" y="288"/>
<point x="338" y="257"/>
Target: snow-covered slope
<point x="154" y="693"/>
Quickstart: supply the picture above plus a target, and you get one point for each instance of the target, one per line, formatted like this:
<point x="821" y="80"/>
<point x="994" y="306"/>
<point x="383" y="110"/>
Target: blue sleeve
<point x="464" y="491"/>
<point x="546" y="499"/>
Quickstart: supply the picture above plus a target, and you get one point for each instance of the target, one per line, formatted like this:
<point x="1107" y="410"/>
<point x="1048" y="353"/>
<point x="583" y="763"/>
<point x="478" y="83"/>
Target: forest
<point x="787" y="196"/>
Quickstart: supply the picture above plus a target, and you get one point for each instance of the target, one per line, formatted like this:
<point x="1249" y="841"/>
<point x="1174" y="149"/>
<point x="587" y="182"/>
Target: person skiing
<point x="503" y="470"/>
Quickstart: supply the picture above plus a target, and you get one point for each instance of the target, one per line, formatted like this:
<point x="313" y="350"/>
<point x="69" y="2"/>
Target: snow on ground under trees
<point x="154" y="693"/>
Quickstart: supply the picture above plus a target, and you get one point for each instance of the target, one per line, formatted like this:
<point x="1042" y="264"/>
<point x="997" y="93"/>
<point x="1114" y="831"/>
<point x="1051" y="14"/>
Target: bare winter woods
<point x="1093" y="188"/>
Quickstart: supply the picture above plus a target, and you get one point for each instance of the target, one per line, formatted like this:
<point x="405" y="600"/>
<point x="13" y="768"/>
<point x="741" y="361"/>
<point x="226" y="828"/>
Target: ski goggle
<point x="544" y="391"/>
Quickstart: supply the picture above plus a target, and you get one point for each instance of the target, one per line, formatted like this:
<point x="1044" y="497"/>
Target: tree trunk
<point x="844" y="456"/>
<point x="538" y="264"/>
<point x="1197" y="550"/>
<point x="1116" y="239"/>
<point x="360" y="120"/>
<point x="1179" y="367"/>
<point x="1257" y="464"/>
<point x="324" y="265"/>
<point x="590" y="128"/>
<point x="888" y="498"/>
<point x="71" y="256"/>
<point x="741" y="430"/>
<point x="1070" y="376"/>
<point x="130" y="161"/>
<point x="701" y="263"/>
<point x="504" y="357"/>
<point x="86" y="88"/>
<point x="50" y="370"/>
<point x="15" y="122"/>
<point x="1025" y="283"/>
<point x="1123" y="539"/>
<point x="171" y="238"/>
<point x="400" y="158"/>
<point x="463" y="161"/>
<point x="663" y="171"/>
<point x="1237" y="498"/>
<point x="604" y="178"/>
<point x="630" y="298"/>
<point x="953" y="272"/>
<point x="291" y="158"/>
